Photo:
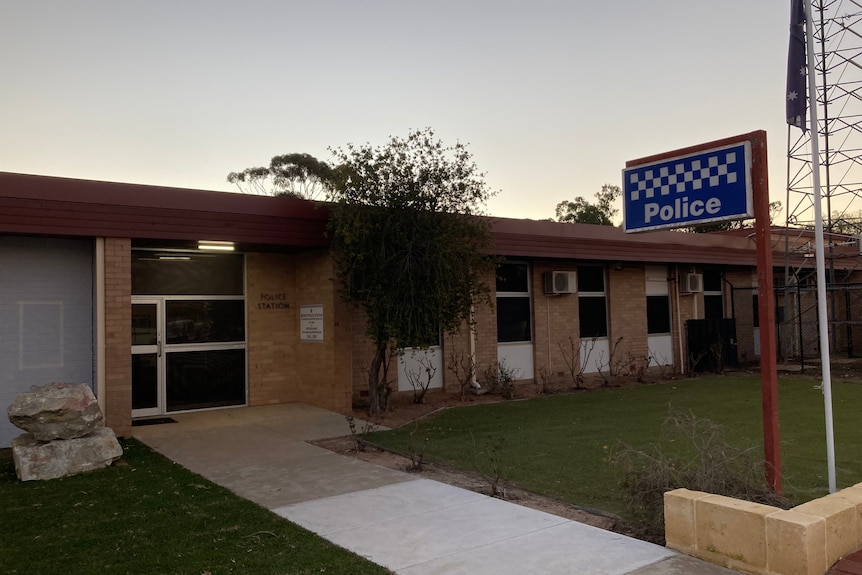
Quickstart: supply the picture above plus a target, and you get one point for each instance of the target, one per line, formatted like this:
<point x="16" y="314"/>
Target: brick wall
<point x="555" y="329"/>
<point x="683" y="308"/>
<point x="324" y="371"/>
<point x="118" y="335"/>
<point x="272" y="327"/>
<point x="627" y="313"/>
<point x="485" y="330"/>
<point x="282" y="367"/>
<point x="363" y="353"/>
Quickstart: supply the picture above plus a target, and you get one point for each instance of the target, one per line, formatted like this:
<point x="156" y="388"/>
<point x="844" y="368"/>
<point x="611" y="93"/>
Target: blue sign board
<point x="708" y="186"/>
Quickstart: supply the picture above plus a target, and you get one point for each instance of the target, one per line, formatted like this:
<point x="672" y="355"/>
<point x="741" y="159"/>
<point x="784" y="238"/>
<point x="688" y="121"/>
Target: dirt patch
<point x="472" y="481"/>
<point x="404" y="411"/>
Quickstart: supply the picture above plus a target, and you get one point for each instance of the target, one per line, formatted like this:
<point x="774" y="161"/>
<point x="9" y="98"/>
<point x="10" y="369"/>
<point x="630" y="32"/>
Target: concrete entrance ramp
<point x="411" y="525"/>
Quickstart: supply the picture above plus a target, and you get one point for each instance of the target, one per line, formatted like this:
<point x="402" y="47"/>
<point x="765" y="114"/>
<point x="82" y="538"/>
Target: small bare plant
<point x="586" y="350"/>
<point x="500" y="378"/>
<point x="571" y="357"/>
<point x="601" y="364"/>
<point x="638" y="366"/>
<point x="360" y="435"/>
<point x="494" y="471"/>
<point x="544" y="380"/>
<point x="617" y="362"/>
<point x="421" y="380"/>
<point x="717" y="352"/>
<point x="694" y="360"/>
<point x="416" y="450"/>
<point x="463" y="366"/>
<point x="665" y="366"/>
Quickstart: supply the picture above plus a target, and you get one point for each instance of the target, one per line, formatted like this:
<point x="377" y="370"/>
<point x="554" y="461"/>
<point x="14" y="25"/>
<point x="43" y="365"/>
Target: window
<point x="205" y="321"/>
<point x="513" y="278"/>
<point x="592" y="302"/>
<point x="658" y="314"/>
<point x="755" y="310"/>
<point x="513" y="302"/>
<point x="713" y="302"/>
<point x="186" y="273"/>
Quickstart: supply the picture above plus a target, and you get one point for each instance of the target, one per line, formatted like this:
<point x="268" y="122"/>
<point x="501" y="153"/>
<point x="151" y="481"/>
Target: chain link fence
<point x="798" y="327"/>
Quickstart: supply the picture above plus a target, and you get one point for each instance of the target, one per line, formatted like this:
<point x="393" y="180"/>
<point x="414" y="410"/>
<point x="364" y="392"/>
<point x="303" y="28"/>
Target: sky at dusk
<point x="553" y="97"/>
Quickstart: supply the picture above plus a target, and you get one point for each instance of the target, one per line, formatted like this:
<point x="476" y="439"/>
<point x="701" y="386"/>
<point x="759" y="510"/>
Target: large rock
<point x="37" y="460"/>
<point x="57" y="411"/>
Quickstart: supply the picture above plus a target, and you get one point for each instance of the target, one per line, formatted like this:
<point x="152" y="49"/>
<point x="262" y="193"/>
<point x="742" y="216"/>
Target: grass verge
<point x="147" y="515"/>
<point x="562" y="446"/>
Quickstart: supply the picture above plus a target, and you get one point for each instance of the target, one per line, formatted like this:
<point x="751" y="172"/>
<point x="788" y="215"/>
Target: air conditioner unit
<point x="561" y="282"/>
<point x="691" y="283"/>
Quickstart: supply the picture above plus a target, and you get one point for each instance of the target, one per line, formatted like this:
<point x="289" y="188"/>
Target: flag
<point x="796" y="87"/>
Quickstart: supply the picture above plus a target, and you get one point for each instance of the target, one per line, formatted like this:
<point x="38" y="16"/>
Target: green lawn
<point x="148" y="515"/>
<point x="561" y="445"/>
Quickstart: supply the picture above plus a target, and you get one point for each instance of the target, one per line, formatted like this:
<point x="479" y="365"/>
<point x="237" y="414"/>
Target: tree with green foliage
<point x="409" y="247"/>
<point x="294" y="175"/>
<point x="843" y="222"/>
<point x="580" y="211"/>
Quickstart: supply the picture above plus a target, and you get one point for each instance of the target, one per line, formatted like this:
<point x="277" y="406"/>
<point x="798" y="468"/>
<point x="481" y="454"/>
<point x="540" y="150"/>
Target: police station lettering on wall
<point x="277" y="300"/>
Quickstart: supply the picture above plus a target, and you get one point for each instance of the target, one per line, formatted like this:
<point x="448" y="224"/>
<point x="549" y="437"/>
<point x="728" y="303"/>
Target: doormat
<point x="153" y="421"/>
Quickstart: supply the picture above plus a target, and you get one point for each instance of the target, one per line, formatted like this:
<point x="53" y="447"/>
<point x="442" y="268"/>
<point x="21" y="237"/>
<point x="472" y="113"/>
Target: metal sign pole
<point x="766" y="312"/>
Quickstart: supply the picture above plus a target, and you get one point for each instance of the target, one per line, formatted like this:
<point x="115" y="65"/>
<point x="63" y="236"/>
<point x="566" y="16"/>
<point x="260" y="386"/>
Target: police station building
<point x="169" y="300"/>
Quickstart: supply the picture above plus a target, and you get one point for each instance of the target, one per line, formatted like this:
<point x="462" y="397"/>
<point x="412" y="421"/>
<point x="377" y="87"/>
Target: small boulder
<point x="57" y="411"/>
<point x="37" y="460"/>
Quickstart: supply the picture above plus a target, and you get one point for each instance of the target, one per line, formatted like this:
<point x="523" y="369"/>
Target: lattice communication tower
<point x="838" y="73"/>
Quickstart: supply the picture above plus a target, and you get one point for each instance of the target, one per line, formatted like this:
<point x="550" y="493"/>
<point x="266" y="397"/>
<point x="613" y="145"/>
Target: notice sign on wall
<point x="311" y="322"/>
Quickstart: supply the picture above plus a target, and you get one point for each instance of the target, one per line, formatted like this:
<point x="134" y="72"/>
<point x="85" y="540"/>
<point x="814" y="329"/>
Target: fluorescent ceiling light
<point x="215" y="245"/>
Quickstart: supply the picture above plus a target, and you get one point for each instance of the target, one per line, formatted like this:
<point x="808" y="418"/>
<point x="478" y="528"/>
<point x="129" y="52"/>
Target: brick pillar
<point x="118" y="335"/>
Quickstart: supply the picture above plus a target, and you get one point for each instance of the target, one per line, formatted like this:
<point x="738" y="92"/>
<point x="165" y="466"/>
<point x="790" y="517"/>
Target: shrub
<point x="500" y="378"/>
<point x="702" y="460"/>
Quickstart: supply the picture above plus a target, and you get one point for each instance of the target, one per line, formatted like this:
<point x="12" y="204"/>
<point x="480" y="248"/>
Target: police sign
<point x="707" y="186"/>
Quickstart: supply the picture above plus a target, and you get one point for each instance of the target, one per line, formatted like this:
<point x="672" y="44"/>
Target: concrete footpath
<point x="410" y="525"/>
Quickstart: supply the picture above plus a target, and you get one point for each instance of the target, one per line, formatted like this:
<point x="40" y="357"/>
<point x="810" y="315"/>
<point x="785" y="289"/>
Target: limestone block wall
<point x="761" y="539"/>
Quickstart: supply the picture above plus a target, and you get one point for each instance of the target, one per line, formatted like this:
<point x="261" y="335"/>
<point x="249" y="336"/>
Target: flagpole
<point x="819" y="251"/>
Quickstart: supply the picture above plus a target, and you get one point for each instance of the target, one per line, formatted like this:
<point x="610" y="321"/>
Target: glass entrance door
<point x="147" y="348"/>
<point x="204" y="352"/>
<point x="187" y="353"/>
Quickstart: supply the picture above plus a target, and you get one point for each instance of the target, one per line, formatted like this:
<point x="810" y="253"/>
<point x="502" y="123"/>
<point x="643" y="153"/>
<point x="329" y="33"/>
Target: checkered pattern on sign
<point x="685" y="176"/>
